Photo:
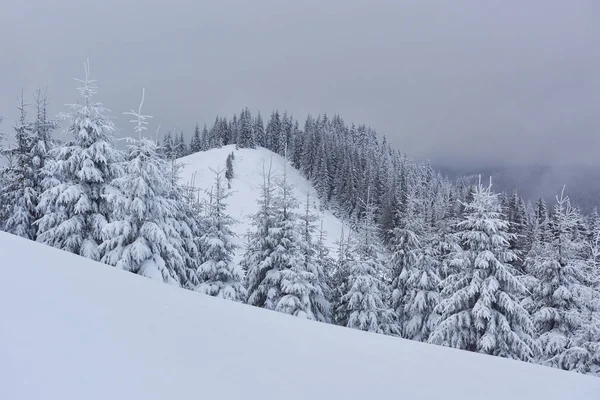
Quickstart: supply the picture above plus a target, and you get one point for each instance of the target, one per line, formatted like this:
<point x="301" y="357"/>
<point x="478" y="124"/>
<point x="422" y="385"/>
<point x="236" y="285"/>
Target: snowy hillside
<point x="245" y="185"/>
<point x="75" y="329"/>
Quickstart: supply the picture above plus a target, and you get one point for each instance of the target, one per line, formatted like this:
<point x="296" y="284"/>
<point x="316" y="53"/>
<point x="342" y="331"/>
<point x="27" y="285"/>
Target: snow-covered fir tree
<point x="363" y="306"/>
<point x="480" y="310"/>
<point x="43" y="142"/>
<point x="4" y="208"/>
<point x="74" y="207"/>
<point x="181" y="149"/>
<point x="259" y="131"/>
<point x="247" y="138"/>
<point x="219" y="275"/>
<point x="337" y="277"/>
<point x="196" y="143"/>
<point x="315" y="260"/>
<point x="559" y="293"/>
<point x="167" y="148"/>
<point x="278" y="277"/>
<point x="405" y="248"/>
<point x="257" y="260"/>
<point x="19" y="192"/>
<point x="144" y="235"/>
<point x="229" y="169"/>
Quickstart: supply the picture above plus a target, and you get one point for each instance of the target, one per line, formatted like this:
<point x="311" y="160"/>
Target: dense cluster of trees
<point x="426" y="258"/>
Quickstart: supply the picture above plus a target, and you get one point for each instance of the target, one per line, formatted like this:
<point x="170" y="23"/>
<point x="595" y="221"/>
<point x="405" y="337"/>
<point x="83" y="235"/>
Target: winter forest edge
<point x="428" y="259"/>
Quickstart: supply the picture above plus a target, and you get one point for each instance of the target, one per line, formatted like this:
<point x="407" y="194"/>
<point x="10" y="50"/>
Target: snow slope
<point x="72" y="328"/>
<point x="247" y="168"/>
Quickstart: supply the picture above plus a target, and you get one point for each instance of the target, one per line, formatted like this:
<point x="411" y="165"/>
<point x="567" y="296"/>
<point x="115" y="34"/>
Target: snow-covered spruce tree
<point x="188" y="223"/>
<point x="299" y="290"/>
<point x="480" y="311"/>
<point x="19" y="193"/>
<point x="277" y="276"/>
<point x="337" y="278"/>
<point x="24" y="176"/>
<point x="246" y="138"/>
<point x="205" y="139"/>
<point x="259" y="131"/>
<point x="4" y="208"/>
<point x="218" y="274"/>
<point x="196" y="143"/>
<point x="363" y="306"/>
<point x="257" y="261"/>
<point x="229" y="169"/>
<point x="405" y="247"/>
<point x="143" y="236"/>
<point x="43" y="142"/>
<point x="422" y="294"/>
<point x="73" y="207"/>
<point x="322" y="178"/>
<point x="559" y="295"/>
<point x="181" y="149"/>
<point x="327" y="263"/>
<point x="167" y="148"/>
<point x="315" y="261"/>
<point x="594" y="247"/>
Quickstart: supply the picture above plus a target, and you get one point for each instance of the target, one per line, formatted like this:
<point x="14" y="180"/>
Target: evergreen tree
<point x="144" y="235"/>
<point x="405" y="247"/>
<point x="4" y="171"/>
<point x="180" y="146"/>
<point x="278" y="278"/>
<point x="363" y="306"/>
<point x="273" y="131"/>
<point x="480" y="311"/>
<point x="167" y="149"/>
<point x="517" y="219"/>
<point x="315" y="261"/>
<point x="232" y="131"/>
<point x="257" y="261"/>
<point x="229" y="169"/>
<point x="19" y="194"/>
<point x="196" y="144"/>
<point x="421" y="295"/>
<point x="205" y="139"/>
<point x="259" y="131"/>
<point x="73" y="207"/>
<point x="246" y="138"/>
<point x="42" y="139"/>
<point x="218" y="274"/>
<point x="216" y="134"/>
<point x="338" y="278"/>
<point x="321" y="181"/>
<point x="560" y="278"/>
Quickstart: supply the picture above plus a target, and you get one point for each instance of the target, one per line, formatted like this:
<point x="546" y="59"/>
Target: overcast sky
<point x="455" y="81"/>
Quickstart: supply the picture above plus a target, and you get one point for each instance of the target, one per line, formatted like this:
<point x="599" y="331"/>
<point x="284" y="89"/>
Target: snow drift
<point x="72" y="328"/>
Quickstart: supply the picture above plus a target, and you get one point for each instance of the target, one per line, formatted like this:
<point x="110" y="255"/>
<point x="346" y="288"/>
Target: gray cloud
<point x="462" y="81"/>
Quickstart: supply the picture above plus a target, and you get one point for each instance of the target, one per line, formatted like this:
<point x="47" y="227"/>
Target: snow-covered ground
<point x="245" y="186"/>
<point x="72" y="328"/>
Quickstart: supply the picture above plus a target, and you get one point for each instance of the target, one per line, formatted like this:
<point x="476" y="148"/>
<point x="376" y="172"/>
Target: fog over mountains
<point x="582" y="183"/>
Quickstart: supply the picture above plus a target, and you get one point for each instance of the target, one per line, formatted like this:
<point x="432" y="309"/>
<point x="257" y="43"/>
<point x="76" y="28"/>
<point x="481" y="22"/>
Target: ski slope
<point x="245" y="186"/>
<point x="72" y="328"/>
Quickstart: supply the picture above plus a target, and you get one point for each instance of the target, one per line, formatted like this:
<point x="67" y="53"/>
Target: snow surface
<point x="72" y="328"/>
<point x="245" y="186"/>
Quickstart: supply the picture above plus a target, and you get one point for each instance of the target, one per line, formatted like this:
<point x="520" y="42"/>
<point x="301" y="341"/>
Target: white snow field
<point x="245" y="187"/>
<point x="72" y="328"/>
